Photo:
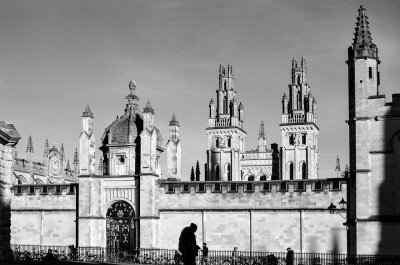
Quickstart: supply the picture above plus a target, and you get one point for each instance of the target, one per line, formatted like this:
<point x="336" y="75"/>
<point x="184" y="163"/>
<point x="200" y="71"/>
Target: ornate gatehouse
<point x="120" y="226"/>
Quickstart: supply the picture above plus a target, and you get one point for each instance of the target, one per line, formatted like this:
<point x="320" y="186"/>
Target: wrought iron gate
<point x="120" y="227"/>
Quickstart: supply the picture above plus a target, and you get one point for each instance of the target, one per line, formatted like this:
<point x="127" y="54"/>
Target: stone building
<point x="9" y="137"/>
<point x="299" y="150"/>
<point x="262" y="199"/>
<point x="374" y="139"/>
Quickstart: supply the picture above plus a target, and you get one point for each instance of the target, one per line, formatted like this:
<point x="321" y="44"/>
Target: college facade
<point x="262" y="199"/>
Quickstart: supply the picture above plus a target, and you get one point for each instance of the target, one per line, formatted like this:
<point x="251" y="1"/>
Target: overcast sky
<point x="58" y="56"/>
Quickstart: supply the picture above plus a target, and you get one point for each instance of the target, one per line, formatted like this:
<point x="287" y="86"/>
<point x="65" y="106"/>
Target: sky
<point x="57" y="56"/>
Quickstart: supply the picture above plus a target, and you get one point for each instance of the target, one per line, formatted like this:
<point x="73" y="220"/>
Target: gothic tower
<point x="174" y="150"/>
<point x="299" y="151"/>
<point x="225" y="132"/>
<point x="87" y="144"/>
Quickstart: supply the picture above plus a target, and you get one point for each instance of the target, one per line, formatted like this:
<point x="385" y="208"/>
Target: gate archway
<point x="120" y="227"/>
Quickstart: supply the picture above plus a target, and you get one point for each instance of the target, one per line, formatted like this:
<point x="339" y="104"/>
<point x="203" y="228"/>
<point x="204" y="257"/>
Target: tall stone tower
<point x="174" y="150"/>
<point x="373" y="216"/>
<point x="299" y="130"/>
<point x="87" y="144"/>
<point x="226" y="136"/>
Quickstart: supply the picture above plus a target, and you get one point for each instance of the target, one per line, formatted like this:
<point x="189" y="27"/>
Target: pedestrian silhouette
<point x="289" y="256"/>
<point x="187" y="245"/>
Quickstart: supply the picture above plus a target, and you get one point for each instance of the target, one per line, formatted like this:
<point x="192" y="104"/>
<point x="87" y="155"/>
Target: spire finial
<point x="337" y="168"/>
<point x="132" y="86"/>
<point x="46" y="148"/>
<point x="87" y="112"/>
<point x="363" y="45"/>
<point x="76" y="157"/>
<point x="62" y="151"/>
<point x="29" y="146"/>
<point x="148" y="108"/>
<point x="173" y="121"/>
<point x="261" y="133"/>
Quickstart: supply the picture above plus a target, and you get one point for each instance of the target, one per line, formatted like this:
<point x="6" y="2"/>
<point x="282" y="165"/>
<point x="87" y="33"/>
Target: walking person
<point x="188" y="246"/>
<point x="204" y="260"/>
<point x="289" y="256"/>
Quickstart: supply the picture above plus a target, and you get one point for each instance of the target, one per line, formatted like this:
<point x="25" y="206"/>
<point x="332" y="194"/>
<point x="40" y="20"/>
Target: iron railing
<point x="170" y="256"/>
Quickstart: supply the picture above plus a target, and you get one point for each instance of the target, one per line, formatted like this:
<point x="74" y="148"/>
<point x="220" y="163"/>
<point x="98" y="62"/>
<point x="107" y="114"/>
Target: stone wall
<point x="43" y="215"/>
<point x="267" y="217"/>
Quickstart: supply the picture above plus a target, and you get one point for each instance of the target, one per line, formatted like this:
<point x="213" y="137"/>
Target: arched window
<point x="225" y="105"/>
<point x="228" y="172"/>
<point x="298" y="80"/>
<point x="250" y="178"/>
<point x="263" y="178"/>
<point x="303" y="170"/>
<point x="291" y="171"/>
<point x="217" y="142"/>
<point x="217" y="172"/>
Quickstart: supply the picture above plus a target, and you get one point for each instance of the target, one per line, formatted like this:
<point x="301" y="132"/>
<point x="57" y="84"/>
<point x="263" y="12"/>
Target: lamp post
<point x="342" y="208"/>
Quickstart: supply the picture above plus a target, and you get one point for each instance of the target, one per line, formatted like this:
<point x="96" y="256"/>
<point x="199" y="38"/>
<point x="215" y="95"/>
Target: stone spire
<point x="261" y="133"/>
<point x="29" y="149"/>
<point x="362" y="44"/>
<point x="76" y="161"/>
<point x="262" y="140"/>
<point x="62" y="151"/>
<point x="46" y="149"/>
<point x="337" y="168"/>
<point x="87" y="112"/>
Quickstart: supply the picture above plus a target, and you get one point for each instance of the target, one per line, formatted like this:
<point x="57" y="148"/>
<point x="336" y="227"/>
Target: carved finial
<point x="87" y="112"/>
<point x="132" y="86"/>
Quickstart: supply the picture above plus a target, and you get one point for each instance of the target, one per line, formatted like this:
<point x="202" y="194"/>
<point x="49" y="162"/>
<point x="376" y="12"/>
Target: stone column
<point x="9" y="137"/>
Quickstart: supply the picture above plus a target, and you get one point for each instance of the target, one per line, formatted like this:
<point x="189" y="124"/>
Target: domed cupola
<point x="125" y="129"/>
<point x="121" y="140"/>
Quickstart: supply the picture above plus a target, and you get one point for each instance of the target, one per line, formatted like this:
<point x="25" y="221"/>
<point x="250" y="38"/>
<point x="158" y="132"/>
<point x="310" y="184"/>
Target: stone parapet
<point x="299" y="194"/>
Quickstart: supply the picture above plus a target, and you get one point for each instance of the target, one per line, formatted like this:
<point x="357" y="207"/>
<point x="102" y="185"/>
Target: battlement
<point x="46" y="189"/>
<point x="282" y="186"/>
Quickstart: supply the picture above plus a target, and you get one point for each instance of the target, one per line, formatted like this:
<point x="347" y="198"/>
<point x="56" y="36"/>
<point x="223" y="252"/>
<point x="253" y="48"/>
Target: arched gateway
<point x="120" y="226"/>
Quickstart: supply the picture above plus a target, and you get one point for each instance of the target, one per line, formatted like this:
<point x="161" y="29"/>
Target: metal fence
<point x="170" y="256"/>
